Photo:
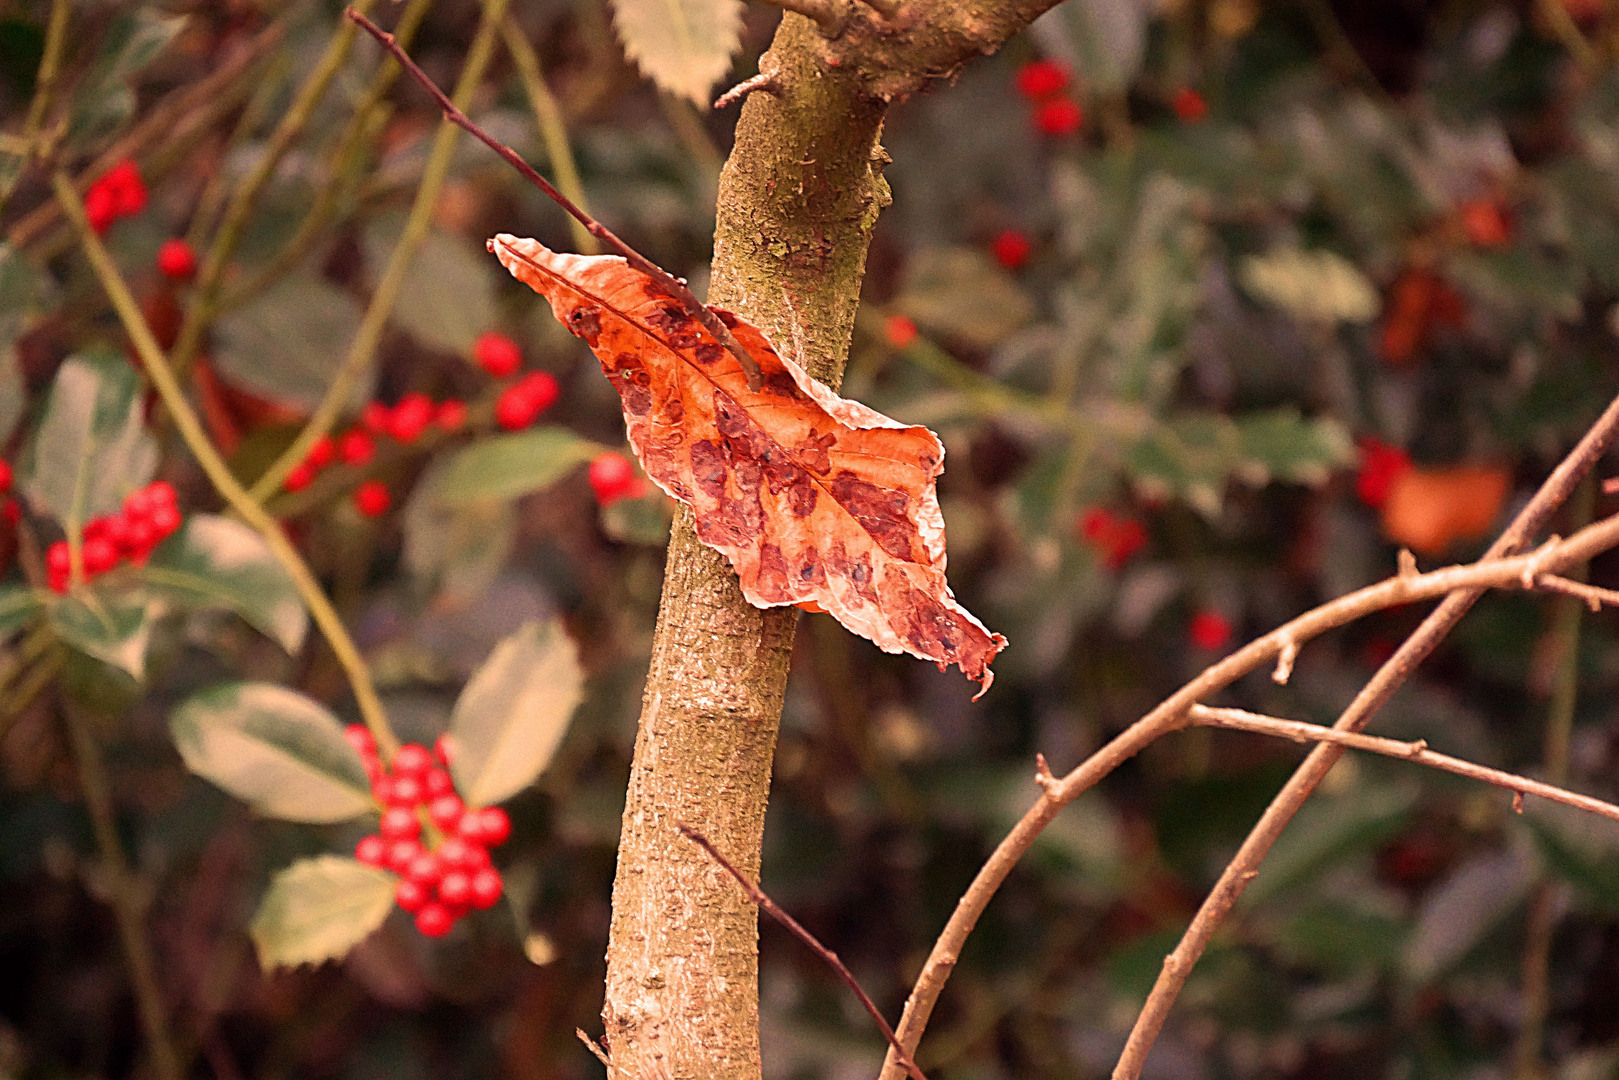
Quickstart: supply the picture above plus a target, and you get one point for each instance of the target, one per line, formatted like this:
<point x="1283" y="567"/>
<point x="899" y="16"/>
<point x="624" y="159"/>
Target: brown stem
<point x="124" y="892"/>
<point x="828" y="957"/>
<point x="761" y="82"/>
<point x="1468" y="581"/>
<point x="1299" y="731"/>
<point x="1243" y="868"/>
<point x="826" y="14"/>
<point x="675" y="287"/>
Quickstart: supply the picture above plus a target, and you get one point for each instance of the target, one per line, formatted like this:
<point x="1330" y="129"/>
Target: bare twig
<point x="1593" y="596"/>
<point x="771" y="908"/>
<point x="591" y="1045"/>
<point x="1245" y="865"/>
<point x="224" y="481"/>
<point x="676" y="288"/>
<point x="761" y="82"/>
<point x="827" y="14"/>
<point x="1299" y="731"/>
<point x="1464" y="582"/>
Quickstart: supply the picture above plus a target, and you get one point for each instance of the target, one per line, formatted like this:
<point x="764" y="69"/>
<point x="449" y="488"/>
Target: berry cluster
<point x="613" y="477"/>
<point x="521" y="403"/>
<point x="1114" y="536"/>
<point x="1045" y="84"/>
<point x="441" y="883"/>
<point x="120" y="192"/>
<point x="149" y="516"/>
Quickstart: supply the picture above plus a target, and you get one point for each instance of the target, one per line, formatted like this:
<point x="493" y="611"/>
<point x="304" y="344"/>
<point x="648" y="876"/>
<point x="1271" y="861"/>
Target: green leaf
<point x="23" y="292"/>
<point x="509" y="466"/>
<point x="1317" y="286"/>
<point x="104" y="101"/>
<point x="685" y="46"/>
<point x="318" y="909"/>
<point x="215" y="561"/>
<point x="448" y="296"/>
<point x="284" y="344"/>
<point x="1187" y="457"/>
<point x="645" y="520"/>
<point x="1329" y="831"/>
<point x="91" y="448"/>
<point x="18" y="606"/>
<point x="455" y="550"/>
<point x="13" y="392"/>
<point x="275" y="749"/>
<point x="1282" y="445"/>
<point x="112" y="628"/>
<point x="959" y="293"/>
<point x="510" y="718"/>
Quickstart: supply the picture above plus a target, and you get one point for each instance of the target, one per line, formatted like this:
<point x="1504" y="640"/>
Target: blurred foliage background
<point x="1215" y="303"/>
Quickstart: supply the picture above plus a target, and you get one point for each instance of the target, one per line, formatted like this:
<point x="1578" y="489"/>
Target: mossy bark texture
<point x="798" y="200"/>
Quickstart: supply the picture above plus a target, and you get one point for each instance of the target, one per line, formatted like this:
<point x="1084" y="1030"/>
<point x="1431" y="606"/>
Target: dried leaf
<point x="815" y="500"/>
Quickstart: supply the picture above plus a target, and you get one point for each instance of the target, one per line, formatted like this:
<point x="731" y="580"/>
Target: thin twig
<point x="827" y="14"/>
<point x="124" y="893"/>
<point x="224" y="481"/>
<point x="601" y="1055"/>
<point x="553" y="129"/>
<point x="50" y="63"/>
<point x="1593" y="596"/>
<point x="761" y="82"/>
<point x="1299" y="731"/>
<point x="676" y="288"/>
<point x="363" y="348"/>
<point x="1463" y="581"/>
<point x="774" y="910"/>
<point x="1245" y="865"/>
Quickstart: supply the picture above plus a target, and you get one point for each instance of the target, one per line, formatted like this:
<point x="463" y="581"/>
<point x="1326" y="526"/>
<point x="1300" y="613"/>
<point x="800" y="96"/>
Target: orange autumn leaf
<point x="1429" y="509"/>
<point x="813" y="498"/>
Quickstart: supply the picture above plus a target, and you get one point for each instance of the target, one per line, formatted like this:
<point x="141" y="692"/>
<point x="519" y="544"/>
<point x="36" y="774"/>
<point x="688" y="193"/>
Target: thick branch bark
<point x="798" y="200"/>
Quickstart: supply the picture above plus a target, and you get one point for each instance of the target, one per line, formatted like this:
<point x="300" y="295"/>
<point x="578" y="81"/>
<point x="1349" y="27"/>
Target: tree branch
<point x="1299" y="731"/>
<point x="1460" y="582"/>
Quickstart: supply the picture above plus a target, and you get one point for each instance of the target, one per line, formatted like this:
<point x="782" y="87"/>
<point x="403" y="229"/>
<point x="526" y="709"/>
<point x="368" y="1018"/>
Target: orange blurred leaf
<point x="813" y="498"/>
<point x="1429" y="509"/>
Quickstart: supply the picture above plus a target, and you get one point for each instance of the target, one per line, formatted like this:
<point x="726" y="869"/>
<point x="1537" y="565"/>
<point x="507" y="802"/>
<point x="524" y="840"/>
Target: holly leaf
<point x="104" y="101"/>
<point x="18" y="605"/>
<point x="280" y="752"/>
<point x="449" y="290"/>
<point x="217" y="562"/>
<point x="456" y="548"/>
<point x="814" y="499"/>
<point x="318" y="909"/>
<point x="113" y="629"/>
<point x="280" y="345"/>
<point x="685" y="46"/>
<point x="511" y="716"/>
<point x="91" y="448"/>
<point x="510" y="466"/>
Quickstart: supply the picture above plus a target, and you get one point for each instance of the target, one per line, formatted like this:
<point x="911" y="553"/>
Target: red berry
<point x="138" y="505"/>
<point x="176" y="260"/>
<point x="401" y="853"/>
<point x="412" y="759"/>
<point x="1380" y="465"/>
<point x="411" y="896"/>
<point x="5" y="476"/>
<point x="400" y="823"/>
<point x="374" y="417"/>
<point x="360" y="737"/>
<point x="424" y="869"/>
<point x="486" y="888"/>
<point x="899" y="331"/>
<point x="497" y="354"/>
<point x="127" y="187"/>
<point x="1059" y="117"/>
<point x="410" y="417"/>
<point x="142" y="534"/>
<point x="1041" y="78"/>
<point x="457" y="853"/>
<point x="611" y="477"/>
<point x="372" y="498"/>
<point x="322" y="453"/>
<point x="166" y="518"/>
<point x="470" y="829"/>
<point x="299" y="478"/>
<point x="117" y="532"/>
<point x="407" y="791"/>
<point x="382" y="787"/>
<point x="1189" y="105"/>
<point x="11" y="512"/>
<point x="436" y="783"/>
<point x="451" y="415"/>
<point x="541" y="389"/>
<point x="494" y="826"/>
<point x="99" y="555"/>
<point x="513" y="409"/>
<point x="1485" y="224"/>
<point x="1209" y="630"/>
<point x="455" y="889"/>
<point x="100" y="207"/>
<point x="1011" y="249"/>
<point x="57" y="558"/>
<point x="435" y="920"/>
<point x="373" y="851"/>
<point x="356" y="447"/>
<point x="444" y="748"/>
<point x="445" y="811"/>
<point x="162" y="493"/>
<point x="58" y="581"/>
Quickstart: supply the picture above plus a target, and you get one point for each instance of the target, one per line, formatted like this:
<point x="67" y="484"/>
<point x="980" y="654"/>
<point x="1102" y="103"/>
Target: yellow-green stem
<point x="211" y="275"/>
<point x="553" y="129"/>
<point x="364" y="346"/>
<point x="190" y="428"/>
